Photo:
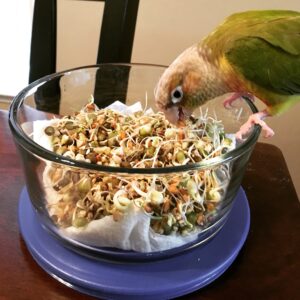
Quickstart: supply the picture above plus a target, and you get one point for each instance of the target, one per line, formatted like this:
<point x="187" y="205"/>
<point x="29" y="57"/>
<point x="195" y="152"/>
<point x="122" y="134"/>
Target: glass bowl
<point x="60" y="187"/>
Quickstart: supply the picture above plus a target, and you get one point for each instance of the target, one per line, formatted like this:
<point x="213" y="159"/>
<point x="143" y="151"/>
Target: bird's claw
<point x="255" y="119"/>
<point x="232" y="98"/>
<point x="228" y="101"/>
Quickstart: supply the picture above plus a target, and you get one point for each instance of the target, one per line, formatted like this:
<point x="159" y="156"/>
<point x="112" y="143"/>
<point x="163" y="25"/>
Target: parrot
<point x="254" y="54"/>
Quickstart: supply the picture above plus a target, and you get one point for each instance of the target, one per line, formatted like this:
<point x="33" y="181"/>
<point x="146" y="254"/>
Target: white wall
<point x="15" y="32"/>
<point x="78" y="32"/>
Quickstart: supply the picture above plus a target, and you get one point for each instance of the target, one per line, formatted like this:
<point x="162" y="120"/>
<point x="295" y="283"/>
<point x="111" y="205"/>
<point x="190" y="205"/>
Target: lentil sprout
<point x="177" y="203"/>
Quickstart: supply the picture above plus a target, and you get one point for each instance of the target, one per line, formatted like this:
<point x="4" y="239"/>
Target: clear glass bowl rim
<point x="27" y="143"/>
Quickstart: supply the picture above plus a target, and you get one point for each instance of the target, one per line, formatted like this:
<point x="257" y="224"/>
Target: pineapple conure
<point x="253" y="53"/>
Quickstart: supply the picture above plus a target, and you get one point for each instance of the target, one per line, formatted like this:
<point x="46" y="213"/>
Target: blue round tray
<point x="160" y="279"/>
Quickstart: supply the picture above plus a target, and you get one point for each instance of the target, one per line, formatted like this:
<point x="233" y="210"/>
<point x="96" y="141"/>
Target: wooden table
<point x="268" y="267"/>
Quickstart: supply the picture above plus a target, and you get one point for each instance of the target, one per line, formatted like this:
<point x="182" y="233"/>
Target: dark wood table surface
<point x="268" y="266"/>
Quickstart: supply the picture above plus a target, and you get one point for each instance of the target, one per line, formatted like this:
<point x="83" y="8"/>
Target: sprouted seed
<point x="177" y="203"/>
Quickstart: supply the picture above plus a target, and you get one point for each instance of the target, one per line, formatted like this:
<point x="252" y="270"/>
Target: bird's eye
<point x="177" y="94"/>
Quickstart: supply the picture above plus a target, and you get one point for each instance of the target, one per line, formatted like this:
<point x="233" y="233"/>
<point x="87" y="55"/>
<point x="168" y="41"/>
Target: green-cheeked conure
<point x="251" y="53"/>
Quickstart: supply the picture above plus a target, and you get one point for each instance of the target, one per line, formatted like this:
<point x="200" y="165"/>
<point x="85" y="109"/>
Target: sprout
<point x="65" y="139"/>
<point x="156" y="197"/>
<point x="155" y="142"/>
<point x="61" y="150"/>
<point x="102" y="150"/>
<point x="84" y="185"/>
<point x="69" y="154"/>
<point x="49" y="130"/>
<point x="170" y="133"/>
<point x="191" y="187"/>
<point x="70" y="125"/>
<point x="120" y="200"/>
<point x="214" y="195"/>
<point x="79" y="222"/>
<point x="80" y="157"/>
<point x="150" y="151"/>
<point x="180" y="157"/>
<point x="145" y="130"/>
<point x="227" y="142"/>
<point x="176" y="204"/>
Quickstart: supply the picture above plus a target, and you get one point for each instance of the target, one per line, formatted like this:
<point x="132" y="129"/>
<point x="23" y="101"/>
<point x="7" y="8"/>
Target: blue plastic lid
<point x="160" y="279"/>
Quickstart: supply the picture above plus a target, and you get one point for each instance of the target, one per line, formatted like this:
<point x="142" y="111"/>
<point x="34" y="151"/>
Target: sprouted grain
<point x="175" y="203"/>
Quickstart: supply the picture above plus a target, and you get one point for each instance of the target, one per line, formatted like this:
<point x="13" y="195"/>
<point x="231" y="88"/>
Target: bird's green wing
<point x="267" y="52"/>
<point x="279" y="27"/>
<point x="266" y="65"/>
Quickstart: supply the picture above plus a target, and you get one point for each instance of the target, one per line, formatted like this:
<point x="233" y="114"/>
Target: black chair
<point x="115" y="45"/>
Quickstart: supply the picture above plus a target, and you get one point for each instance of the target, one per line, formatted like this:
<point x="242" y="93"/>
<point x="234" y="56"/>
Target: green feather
<point x="266" y="65"/>
<point x="263" y="47"/>
<point x="279" y="28"/>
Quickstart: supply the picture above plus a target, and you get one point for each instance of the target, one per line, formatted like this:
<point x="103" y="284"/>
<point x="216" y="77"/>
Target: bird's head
<point x="181" y="87"/>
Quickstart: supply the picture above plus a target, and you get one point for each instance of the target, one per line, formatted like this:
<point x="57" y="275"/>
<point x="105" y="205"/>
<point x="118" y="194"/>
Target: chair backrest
<point x="115" y="45"/>
<point x="116" y="35"/>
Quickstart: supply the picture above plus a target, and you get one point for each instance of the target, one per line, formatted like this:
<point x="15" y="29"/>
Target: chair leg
<point x="117" y="31"/>
<point x="115" y="46"/>
<point x="111" y="85"/>
<point x="43" y="54"/>
<point x="43" y="40"/>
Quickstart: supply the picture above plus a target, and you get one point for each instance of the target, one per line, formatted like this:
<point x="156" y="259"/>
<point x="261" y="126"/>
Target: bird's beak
<point x="186" y="112"/>
<point x="172" y="114"/>
<point x="177" y="114"/>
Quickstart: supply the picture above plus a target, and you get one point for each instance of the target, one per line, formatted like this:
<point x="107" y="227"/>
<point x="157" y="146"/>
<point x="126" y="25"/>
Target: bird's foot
<point x="233" y="97"/>
<point x="256" y="118"/>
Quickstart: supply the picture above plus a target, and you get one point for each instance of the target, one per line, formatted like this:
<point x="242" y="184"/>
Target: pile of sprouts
<point x="176" y="203"/>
